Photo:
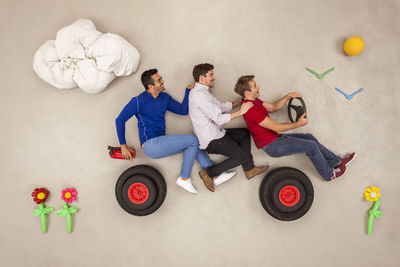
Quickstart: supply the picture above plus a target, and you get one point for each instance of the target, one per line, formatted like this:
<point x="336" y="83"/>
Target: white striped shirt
<point x="206" y="113"/>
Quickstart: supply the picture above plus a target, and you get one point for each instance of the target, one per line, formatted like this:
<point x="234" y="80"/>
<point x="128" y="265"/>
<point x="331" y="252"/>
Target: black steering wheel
<point x="299" y="109"/>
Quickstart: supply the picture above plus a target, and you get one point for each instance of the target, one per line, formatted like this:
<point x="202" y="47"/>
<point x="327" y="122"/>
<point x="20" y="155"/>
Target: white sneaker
<point x="186" y="184"/>
<point x="223" y="177"/>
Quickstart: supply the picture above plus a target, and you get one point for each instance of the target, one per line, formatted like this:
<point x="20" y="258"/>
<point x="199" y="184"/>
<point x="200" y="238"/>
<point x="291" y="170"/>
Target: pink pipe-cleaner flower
<point x="68" y="195"/>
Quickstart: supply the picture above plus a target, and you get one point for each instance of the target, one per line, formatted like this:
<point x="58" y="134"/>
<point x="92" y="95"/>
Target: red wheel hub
<point x="138" y="193"/>
<point x="289" y="195"/>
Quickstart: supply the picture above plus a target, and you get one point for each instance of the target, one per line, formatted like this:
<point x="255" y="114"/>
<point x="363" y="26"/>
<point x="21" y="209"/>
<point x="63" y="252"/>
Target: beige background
<point x="55" y="138"/>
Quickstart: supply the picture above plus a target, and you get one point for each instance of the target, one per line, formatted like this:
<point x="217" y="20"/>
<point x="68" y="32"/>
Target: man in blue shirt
<point x="149" y="108"/>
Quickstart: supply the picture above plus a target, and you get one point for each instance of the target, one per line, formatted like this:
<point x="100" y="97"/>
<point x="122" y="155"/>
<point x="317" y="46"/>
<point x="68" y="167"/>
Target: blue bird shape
<point x="349" y="97"/>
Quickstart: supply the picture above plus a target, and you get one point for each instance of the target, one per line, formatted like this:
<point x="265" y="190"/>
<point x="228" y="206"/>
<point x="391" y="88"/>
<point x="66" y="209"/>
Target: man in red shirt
<point x="265" y="132"/>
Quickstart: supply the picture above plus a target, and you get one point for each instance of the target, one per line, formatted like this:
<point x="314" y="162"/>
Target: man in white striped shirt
<point x="208" y="115"/>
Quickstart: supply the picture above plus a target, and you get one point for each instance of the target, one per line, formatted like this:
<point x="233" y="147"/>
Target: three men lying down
<point x="208" y="115"/>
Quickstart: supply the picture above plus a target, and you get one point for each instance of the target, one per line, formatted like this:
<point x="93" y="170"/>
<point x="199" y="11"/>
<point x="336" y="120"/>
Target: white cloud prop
<point x="82" y="56"/>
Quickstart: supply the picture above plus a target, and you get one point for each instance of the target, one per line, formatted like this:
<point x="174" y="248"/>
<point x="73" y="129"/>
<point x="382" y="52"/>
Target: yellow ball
<point x="354" y="46"/>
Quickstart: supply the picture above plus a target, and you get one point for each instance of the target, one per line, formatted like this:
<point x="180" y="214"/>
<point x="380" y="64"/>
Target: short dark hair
<point x="201" y="69"/>
<point x="146" y="78"/>
<point x="243" y="85"/>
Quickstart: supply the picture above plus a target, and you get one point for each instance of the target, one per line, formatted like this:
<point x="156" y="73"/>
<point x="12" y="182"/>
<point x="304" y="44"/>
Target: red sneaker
<point x="345" y="160"/>
<point x="337" y="172"/>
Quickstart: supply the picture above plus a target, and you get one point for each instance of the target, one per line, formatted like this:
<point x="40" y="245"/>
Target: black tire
<point x="139" y="178"/>
<point x="153" y="181"/>
<point x="274" y="182"/>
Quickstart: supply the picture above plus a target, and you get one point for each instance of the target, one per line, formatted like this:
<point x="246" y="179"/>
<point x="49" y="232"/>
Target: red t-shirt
<point x="256" y="114"/>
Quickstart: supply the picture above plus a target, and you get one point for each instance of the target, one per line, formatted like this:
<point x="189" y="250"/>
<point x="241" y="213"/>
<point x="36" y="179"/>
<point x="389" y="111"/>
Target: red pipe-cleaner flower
<point x="40" y="195"/>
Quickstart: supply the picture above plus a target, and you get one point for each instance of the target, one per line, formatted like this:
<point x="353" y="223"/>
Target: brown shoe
<point x="208" y="181"/>
<point x="255" y="171"/>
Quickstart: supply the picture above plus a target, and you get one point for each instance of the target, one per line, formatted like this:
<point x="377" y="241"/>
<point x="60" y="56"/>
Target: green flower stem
<point x="67" y="211"/>
<point x="373" y="212"/>
<point x="43" y="218"/>
<point x="68" y="215"/>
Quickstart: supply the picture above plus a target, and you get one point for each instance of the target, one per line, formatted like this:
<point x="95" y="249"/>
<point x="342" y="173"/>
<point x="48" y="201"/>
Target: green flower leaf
<point x="378" y="213"/>
<point x="62" y="212"/>
<point x="73" y="209"/>
<point x="37" y="212"/>
<point x="48" y="209"/>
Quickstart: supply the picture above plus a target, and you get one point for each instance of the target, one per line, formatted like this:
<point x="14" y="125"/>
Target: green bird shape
<point x="320" y="76"/>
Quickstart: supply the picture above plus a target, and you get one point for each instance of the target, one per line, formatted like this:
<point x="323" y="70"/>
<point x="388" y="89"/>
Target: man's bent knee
<point x="312" y="148"/>
<point x="310" y="136"/>
<point x="193" y="141"/>
<point x="243" y="132"/>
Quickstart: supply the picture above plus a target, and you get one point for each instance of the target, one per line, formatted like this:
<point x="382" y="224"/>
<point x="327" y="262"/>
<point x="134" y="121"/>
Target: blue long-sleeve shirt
<point x="150" y="114"/>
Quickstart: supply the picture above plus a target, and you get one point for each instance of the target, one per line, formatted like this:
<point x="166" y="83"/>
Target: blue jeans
<point x="287" y="144"/>
<point x="167" y="145"/>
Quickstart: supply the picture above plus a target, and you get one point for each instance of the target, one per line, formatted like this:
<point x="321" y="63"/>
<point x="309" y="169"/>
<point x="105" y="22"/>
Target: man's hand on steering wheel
<point x="293" y="95"/>
<point x="303" y="120"/>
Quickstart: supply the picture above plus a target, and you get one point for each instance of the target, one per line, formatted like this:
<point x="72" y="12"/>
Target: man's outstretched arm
<point x="282" y="127"/>
<point x="243" y="109"/>
<point x="277" y="105"/>
<point x="213" y="112"/>
<point x="180" y="108"/>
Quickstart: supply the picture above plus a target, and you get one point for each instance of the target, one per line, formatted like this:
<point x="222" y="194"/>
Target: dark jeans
<point x="287" y="144"/>
<point x="235" y="145"/>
